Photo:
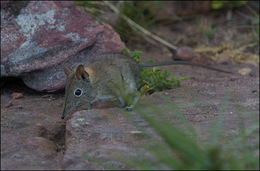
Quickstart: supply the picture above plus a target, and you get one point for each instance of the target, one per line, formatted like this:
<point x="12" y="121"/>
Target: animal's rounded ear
<point x="67" y="70"/>
<point x="81" y="73"/>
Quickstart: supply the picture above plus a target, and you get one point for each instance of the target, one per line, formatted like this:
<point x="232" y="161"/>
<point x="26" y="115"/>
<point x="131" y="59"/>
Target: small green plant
<point x="207" y="30"/>
<point x="158" y="80"/>
<point x="135" y="55"/>
<point x="210" y="32"/>
<point x="155" y="79"/>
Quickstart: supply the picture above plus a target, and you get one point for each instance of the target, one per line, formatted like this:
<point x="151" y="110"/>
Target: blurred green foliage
<point x="139" y="12"/>
<point x="94" y="8"/>
<point x="155" y="79"/>
<point x="230" y="4"/>
<point x="180" y="151"/>
<point x="176" y="150"/>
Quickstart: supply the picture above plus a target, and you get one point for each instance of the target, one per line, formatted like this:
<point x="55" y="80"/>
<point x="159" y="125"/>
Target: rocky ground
<point x="34" y="137"/>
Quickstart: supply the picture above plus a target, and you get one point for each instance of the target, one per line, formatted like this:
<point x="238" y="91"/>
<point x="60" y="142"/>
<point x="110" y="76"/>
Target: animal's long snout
<point x="66" y="109"/>
<point x="65" y="112"/>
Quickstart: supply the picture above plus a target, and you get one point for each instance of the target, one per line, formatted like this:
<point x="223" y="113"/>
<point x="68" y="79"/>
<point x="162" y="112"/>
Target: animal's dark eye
<point x="78" y="92"/>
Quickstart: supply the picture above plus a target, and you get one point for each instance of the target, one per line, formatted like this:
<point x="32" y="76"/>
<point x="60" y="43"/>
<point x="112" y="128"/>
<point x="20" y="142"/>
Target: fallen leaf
<point x="86" y="161"/>
<point x="17" y="95"/>
<point x="244" y="71"/>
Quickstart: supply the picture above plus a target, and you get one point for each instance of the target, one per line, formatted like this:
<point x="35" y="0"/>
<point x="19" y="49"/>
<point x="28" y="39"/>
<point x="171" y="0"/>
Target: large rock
<point x="39" y="37"/>
<point x="99" y="139"/>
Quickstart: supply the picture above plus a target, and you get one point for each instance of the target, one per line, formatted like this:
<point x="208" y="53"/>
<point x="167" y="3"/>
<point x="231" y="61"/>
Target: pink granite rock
<point x="95" y="137"/>
<point x="39" y="37"/>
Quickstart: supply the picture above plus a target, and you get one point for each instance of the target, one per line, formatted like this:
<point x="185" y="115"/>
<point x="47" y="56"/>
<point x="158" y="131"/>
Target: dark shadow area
<point x="15" y="84"/>
<point x="55" y="134"/>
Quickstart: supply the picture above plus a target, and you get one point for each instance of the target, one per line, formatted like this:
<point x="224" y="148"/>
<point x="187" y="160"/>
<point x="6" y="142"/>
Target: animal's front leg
<point x="136" y="98"/>
<point x="122" y="102"/>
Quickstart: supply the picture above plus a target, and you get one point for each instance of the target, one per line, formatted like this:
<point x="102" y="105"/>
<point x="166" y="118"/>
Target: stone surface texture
<point x="39" y="37"/>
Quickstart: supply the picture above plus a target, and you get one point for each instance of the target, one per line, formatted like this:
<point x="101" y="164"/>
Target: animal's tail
<point x="182" y="63"/>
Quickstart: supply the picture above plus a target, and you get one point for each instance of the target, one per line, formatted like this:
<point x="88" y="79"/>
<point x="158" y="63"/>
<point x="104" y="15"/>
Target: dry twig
<point x="139" y="28"/>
